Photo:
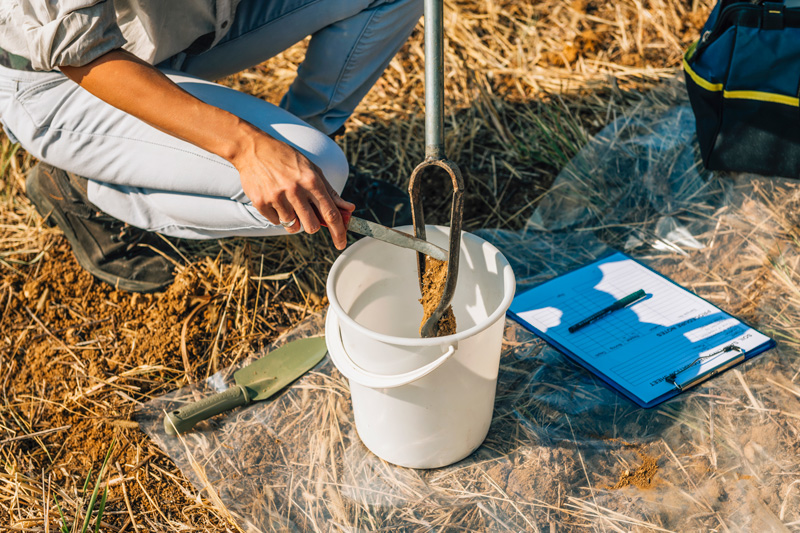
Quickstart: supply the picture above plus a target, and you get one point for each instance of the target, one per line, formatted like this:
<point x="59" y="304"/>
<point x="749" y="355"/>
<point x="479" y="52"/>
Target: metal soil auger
<point x="421" y="402"/>
<point x="434" y="157"/>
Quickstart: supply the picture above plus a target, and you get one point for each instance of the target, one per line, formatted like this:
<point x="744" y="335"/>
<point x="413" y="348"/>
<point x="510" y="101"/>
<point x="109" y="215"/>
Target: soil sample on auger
<point x="433" y="282"/>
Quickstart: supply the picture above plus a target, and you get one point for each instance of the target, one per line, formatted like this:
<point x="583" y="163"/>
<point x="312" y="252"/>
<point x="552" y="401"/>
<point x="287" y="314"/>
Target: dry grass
<point x="527" y="84"/>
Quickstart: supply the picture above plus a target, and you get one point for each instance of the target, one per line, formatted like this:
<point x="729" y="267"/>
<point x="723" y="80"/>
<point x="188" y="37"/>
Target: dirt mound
<point x="643" y="476"/>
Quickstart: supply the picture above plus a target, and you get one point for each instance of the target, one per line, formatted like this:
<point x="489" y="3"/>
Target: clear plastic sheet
<point x="721" y="457"/>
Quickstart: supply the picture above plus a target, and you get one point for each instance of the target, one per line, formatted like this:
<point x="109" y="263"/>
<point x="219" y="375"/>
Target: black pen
<point x="619" y="304"/>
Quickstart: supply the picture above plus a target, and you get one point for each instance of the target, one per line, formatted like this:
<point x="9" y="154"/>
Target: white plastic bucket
<point x="419" y="403"/>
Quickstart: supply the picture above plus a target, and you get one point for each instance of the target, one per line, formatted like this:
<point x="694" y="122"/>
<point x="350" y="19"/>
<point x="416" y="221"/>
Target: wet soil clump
<point x="642" y="477"/>
<point x="432" y="288"/>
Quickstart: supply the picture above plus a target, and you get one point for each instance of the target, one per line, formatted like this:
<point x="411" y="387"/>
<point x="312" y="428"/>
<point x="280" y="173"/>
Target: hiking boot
<point x="128" y="258"/>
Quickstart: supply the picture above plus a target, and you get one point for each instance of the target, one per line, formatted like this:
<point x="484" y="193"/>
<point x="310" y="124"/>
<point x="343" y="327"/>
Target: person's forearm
<point x="122" y="80"/>
<point x="282" y="184"/>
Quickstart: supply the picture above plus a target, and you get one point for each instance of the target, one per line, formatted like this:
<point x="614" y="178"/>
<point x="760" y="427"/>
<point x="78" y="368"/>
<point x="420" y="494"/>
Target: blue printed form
<point x="646" y="350"/>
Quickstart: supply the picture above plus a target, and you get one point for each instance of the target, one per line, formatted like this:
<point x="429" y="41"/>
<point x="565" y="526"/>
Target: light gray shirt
<point x="51" y="33"/>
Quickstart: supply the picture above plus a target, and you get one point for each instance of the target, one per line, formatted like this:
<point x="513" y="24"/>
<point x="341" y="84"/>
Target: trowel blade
<point x="387" y="234"/>
<point x="398" y="238"/>
<point x="281" y="366"/>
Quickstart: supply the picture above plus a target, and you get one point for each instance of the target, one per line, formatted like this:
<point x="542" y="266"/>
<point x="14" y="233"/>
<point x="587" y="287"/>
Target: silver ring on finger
<point x="288" y="224"/>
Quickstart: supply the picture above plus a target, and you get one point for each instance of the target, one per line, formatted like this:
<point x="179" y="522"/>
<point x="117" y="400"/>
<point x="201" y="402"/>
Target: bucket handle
<point x="352" y="371"/>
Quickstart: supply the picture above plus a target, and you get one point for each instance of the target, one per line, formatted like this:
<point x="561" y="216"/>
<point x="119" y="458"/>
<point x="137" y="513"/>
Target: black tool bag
<point x="743" y="78"/>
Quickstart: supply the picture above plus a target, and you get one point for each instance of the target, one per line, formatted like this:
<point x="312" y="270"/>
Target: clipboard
<point x="651" y="350"/>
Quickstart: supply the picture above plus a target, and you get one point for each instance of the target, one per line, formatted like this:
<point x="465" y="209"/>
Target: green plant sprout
<point x="92" y="501"/>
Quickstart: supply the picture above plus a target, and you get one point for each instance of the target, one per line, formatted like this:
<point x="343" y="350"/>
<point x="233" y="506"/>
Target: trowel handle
<point x="184" y="419"/>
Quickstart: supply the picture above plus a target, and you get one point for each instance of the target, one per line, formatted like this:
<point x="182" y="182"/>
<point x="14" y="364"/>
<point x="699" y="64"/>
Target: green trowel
<point x="256" y="381"/>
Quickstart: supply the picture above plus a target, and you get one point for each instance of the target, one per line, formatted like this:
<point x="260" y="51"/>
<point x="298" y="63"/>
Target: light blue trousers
<point x="157" y="182"/>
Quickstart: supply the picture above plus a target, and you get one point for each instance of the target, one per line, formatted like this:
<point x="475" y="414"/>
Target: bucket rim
<point x="509" y="287"/>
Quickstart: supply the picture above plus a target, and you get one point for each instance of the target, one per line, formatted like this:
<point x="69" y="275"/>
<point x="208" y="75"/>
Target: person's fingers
<point x="270" y="214"/>
<point x="328" y="210"/>
<point x="306" y="215"/>
<point x="286" y="214"/>
<point x="344" y="204"/>
<point x="341" y="202"/>
<point x="315" y="205"/>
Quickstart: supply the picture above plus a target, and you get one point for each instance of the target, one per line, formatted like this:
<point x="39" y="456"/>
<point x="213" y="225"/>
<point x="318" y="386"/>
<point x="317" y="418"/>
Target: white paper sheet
<point x="640" y="346"/>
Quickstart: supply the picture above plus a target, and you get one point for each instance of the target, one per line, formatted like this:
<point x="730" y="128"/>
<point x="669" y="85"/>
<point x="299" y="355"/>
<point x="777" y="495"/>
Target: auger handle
<point x="434" y="79"/>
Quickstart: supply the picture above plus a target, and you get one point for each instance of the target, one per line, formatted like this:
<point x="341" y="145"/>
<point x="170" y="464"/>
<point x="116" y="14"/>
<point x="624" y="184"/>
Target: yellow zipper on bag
<point x="760" y="96"/>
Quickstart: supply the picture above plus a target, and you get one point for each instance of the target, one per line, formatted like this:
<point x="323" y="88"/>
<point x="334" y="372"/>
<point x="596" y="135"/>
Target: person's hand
<point x="281" y="182"/>
<point x="284" y="185"/>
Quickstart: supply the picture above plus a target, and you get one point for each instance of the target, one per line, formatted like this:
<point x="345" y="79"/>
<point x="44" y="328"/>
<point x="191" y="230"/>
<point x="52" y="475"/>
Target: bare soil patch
<point x="643" y="476"/>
